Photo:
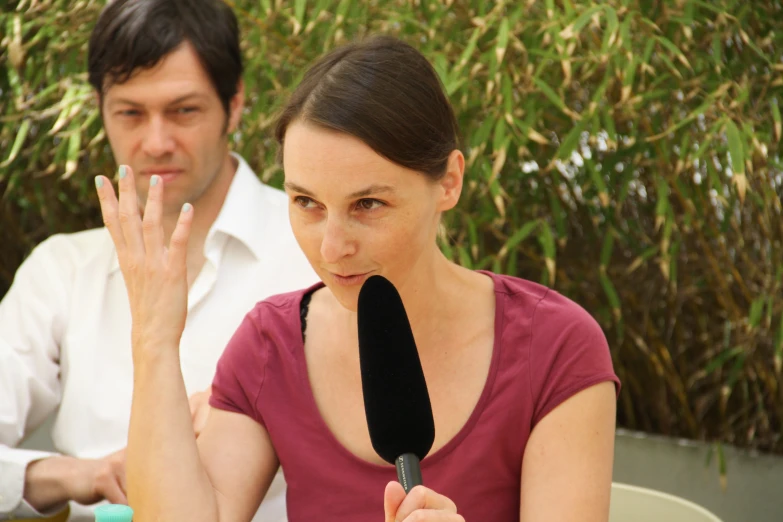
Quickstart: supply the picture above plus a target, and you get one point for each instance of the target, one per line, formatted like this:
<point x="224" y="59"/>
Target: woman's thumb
<point x="392" y="498"/>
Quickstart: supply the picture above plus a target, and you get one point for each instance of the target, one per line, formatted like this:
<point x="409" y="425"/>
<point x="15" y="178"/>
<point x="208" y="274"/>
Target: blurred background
<point x="624" y="152"/>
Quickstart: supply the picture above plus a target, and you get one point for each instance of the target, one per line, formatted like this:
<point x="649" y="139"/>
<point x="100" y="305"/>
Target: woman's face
<point x="356" y="214"/>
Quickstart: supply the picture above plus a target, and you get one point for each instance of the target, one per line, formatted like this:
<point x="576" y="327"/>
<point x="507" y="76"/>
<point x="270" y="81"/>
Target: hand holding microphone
<point x="423" y="502"/>
<point x="397" y="403"/>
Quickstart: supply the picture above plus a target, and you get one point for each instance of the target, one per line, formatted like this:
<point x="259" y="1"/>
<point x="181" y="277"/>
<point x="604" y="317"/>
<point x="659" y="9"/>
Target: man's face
<point x="168" y="120"/>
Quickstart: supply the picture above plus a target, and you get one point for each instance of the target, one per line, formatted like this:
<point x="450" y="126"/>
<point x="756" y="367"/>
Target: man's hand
<point x="56" y="480"/>
<point x="199" y="409"/>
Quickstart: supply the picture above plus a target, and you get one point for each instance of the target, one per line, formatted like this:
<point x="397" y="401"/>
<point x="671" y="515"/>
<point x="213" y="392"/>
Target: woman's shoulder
<point x="562" y="346"/>
<point x="280" y="309"/>
<point x="545" y="306"/>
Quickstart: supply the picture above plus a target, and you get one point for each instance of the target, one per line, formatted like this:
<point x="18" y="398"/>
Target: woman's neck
<point x="435" y="296"/>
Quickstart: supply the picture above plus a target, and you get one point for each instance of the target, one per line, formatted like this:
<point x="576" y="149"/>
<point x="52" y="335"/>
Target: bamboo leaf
<point x="721" y="359"/>
<point x="575" y="28"/>
<point x="547" y="240"/>
<point x="778" y="357"/>
<point x="547" y="91"/>
<point x="299" y="10"/>
<point x="612" y="26"/>
<point x="570" y="142"/>
<point x="464" y="257"/>
<point x="662" y="206"/>
<point x="74" y="147"/>
<point x="611" y="294"/>
<point x="467" y="53"/>
<point x="773" y="104"/>
<point x="722" y="467"/>
<point x="21" y="135"/>
<point x="756" y="309"/>
<point x="517" y="237"/>
<point x="502" y="43"/>
<point x="675" y="50"/>
<point x="607" y="248"/>
<point x="735" y="147"/>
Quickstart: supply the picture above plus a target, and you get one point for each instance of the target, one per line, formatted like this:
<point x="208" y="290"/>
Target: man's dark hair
<point x="136" y="34"/>
<point x="384" y="92"/>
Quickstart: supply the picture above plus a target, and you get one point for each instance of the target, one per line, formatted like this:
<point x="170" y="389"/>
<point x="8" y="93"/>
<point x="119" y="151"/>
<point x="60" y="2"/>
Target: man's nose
<point x="158" y="140"/>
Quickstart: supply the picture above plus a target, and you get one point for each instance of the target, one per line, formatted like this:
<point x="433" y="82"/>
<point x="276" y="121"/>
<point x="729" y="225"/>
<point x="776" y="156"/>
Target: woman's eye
<point x="304" y="202"/>
<point x="186" y="110"/>
<point x="129" y="113"/>
<point x="368" y="204"/>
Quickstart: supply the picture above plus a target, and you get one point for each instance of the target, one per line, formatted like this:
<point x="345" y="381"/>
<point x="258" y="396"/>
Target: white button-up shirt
<point x="65" y="332"/>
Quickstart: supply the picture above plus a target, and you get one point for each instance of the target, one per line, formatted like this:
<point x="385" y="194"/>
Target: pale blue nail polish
<point x="186" y="207"/>
<point x="123" y="171"/>
<point x="98" y="181"/>
<point x="154" y="180"/>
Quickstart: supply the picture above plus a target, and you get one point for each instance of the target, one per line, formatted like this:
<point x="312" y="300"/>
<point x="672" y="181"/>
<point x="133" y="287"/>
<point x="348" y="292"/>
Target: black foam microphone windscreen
<point x="396" y="401"/>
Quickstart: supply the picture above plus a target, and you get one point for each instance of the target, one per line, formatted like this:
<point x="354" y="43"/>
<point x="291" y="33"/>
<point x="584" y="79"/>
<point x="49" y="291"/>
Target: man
<point x="167" y="75"/>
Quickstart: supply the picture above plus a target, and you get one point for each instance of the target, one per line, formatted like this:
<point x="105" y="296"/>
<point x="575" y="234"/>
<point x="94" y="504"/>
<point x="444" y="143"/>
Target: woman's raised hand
<point x="155" y="274"/>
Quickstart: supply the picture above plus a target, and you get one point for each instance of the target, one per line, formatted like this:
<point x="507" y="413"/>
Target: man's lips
<point x="165" y="174"/>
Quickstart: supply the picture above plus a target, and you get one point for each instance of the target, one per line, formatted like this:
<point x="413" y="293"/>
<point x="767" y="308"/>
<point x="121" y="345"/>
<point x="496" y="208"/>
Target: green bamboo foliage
<point x="624" y="152"/>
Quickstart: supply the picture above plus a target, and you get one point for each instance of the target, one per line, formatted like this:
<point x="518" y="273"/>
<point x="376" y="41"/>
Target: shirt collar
<point x="242" y="214"/>
<point x="240" y="217"/>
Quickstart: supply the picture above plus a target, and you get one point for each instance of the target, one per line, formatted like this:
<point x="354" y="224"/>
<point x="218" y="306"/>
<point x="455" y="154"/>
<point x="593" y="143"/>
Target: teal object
<point x="113" y="513"/>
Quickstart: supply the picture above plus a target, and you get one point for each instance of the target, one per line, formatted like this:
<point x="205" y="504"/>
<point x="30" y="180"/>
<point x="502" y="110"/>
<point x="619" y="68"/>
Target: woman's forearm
<point x="166" y="480"/>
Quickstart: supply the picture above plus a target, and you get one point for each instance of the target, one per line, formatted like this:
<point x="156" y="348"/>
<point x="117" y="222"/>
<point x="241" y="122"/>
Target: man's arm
<point x="31" y="318"/>
<point x="50" y="482"/>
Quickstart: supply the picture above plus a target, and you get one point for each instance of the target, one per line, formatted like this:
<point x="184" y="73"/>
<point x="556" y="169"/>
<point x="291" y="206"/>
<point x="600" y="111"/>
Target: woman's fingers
<point x="152" y="225"/>
<point x="421" y="498"/>
<point x="392" y="498"/>
<point x="109" y="211"/>
<point x="178" y="245"/>
<point x="130" y="221"/>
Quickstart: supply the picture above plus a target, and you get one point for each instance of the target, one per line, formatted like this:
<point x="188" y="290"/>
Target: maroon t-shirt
<point x="547" y="348"/>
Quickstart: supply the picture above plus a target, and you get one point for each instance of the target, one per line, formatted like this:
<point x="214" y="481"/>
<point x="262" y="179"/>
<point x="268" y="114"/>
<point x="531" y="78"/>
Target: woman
<point x="520" y="378"/>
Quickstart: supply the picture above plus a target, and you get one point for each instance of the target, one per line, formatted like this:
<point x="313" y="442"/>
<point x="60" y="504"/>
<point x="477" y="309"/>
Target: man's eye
<point x="129" y="112"/>
<point x="187" y="110"/>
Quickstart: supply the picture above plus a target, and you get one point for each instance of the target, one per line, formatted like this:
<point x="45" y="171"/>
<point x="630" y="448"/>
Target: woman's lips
<point x="349" y="280"/>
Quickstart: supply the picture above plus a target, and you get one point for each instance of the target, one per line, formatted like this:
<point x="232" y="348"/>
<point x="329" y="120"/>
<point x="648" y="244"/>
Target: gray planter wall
<point x="754" y="485"/>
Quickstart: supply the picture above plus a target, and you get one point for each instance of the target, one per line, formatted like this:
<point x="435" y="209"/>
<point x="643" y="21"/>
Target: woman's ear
<point x="451" y="182"/>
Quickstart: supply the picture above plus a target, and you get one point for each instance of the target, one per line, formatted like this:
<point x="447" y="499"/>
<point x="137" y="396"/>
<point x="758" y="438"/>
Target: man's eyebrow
<point x="183" y="98"/>
<point x="369" y="191"/>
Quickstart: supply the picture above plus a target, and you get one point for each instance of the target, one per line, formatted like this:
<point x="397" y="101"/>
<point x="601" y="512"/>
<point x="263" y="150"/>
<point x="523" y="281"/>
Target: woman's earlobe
<point x="452" y="180"/>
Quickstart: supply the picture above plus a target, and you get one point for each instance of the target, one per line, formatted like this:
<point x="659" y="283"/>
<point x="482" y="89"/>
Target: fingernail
<point x="186" y="207"/>
<point x="98" y="181"/>
<point x="154" y="180"/>
<point x="123" y="171"/>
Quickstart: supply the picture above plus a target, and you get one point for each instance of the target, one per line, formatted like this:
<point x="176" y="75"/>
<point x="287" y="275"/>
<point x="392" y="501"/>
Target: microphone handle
<point x="408" y="471"/>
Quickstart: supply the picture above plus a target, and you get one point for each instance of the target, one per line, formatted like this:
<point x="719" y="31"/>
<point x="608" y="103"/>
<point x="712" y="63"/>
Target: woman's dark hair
<point x="385" y="93"/>
<point x="137" y="34"/>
